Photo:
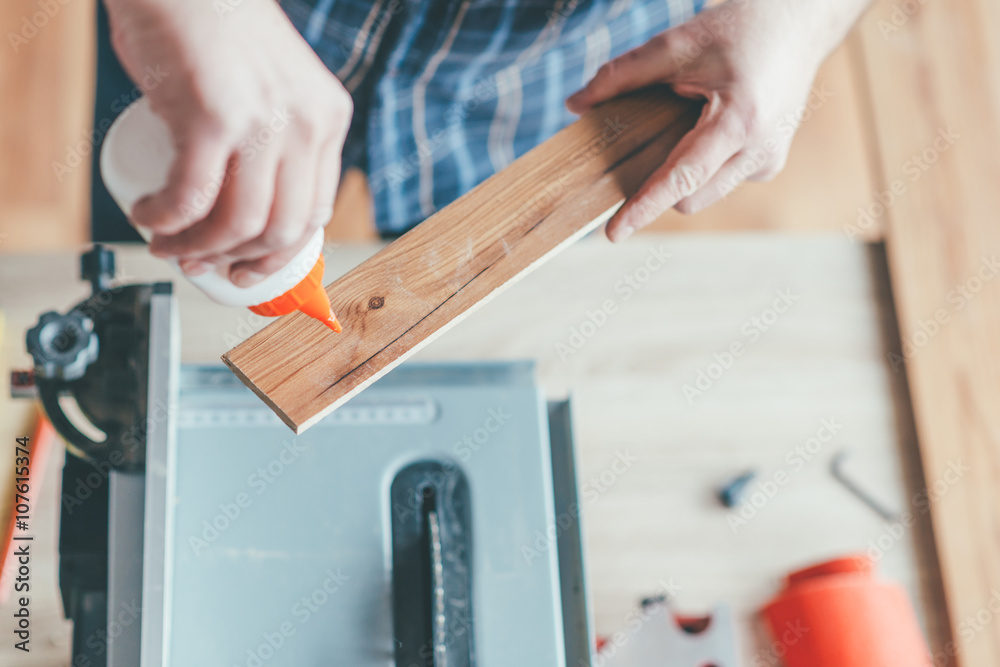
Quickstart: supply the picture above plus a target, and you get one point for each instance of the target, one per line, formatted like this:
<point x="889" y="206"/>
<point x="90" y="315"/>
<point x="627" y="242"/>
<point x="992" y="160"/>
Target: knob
<point x="97" y="266"/>
<point x="63" y="346"/>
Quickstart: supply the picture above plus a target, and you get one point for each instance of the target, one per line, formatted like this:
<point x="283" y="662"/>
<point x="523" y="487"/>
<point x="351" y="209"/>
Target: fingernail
<point x="245" y="277"/>
<point x="622" y="233"/>
<point x="195" y="267"/>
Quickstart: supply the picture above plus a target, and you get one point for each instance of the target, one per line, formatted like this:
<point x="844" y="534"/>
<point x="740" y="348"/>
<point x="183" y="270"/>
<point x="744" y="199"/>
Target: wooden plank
<point x="934" y="73"/>
<point x="47" y="88"/>
<point x="462" y="256"/>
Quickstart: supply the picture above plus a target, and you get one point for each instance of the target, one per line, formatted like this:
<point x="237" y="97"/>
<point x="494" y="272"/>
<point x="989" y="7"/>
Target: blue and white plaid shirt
<point x="447" y="92"/>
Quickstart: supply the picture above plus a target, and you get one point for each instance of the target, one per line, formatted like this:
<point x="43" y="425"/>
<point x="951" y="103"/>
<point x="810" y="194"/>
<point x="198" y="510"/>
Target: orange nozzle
<point x="308" y="296"/>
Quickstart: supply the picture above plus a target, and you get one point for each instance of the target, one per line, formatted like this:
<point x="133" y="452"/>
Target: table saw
<point x="433" y="520"/>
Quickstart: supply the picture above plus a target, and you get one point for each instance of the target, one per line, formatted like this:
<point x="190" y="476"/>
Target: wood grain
<point x="934" y="73"/>
<point x="462" y="256"/>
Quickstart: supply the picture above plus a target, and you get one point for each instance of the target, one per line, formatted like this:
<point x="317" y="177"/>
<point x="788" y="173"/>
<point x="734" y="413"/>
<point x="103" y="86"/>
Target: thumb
<point x="642" y="66"/>
<point x="193" y="184"/>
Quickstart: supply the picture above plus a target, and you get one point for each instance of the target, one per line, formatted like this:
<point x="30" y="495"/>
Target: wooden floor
<point x="896" y="82"/>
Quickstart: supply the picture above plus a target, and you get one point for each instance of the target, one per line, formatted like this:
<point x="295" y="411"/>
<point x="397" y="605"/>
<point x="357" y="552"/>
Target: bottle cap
<point x="308" y="296"/>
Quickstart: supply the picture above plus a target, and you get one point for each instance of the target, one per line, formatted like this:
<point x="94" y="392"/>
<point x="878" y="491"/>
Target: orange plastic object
<point x="308" y="296"/>
<point x="39" y="447"/>
<point x="836" y="614"/>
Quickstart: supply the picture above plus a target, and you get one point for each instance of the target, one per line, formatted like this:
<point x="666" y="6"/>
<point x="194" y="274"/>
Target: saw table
<point x="627" y="341"/>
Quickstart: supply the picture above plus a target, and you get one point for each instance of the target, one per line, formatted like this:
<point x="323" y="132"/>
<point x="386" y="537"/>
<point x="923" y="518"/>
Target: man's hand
<point x="753" y="63"/>
<point x="258" y="124"/>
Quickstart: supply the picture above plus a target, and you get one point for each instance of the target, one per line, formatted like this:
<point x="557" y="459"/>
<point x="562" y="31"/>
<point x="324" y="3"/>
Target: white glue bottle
<point x="136" y="157"/>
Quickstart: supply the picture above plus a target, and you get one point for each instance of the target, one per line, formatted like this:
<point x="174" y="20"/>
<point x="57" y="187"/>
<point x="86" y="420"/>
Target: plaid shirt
<point x="447" y="92"/>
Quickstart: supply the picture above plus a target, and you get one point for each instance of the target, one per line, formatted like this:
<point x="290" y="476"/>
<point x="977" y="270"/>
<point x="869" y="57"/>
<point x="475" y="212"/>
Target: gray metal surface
<point x="569" y="521"/>
<point x="138" y="523"/>
<point x="125" y="520"/>
<point x="279" y="545"/>
<point x="164" y="378"/>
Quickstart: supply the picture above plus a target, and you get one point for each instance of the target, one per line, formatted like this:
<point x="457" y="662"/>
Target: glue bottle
<point x="136" y="157"/>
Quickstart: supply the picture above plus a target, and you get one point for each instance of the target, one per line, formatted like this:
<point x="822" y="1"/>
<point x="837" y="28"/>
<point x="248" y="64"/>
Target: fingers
<point x="716" y="137"/>
<point x="192" y="185"/>
<point x="718" y="187"/>
<point x="750" y="164"/>
<point x="240" y="213"/>
<point x="327" y="182"/>
<point x="249" y="272"/>
<point x="290" y="216"/>
<point x="642" y="66"/>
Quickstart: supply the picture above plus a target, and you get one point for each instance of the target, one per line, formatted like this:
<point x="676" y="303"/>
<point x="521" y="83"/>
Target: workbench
<point x="689" y="359"/>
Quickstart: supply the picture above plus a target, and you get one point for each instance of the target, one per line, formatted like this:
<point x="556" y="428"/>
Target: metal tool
<point x="415" y="526"/>
<point x="837" y="470"/>
<point x="432" y="566"/>
<point x="109" y="355"/>
<point x="97" y="354"/>
<point x="659" y="638"/>
<point x="731" y="493"/>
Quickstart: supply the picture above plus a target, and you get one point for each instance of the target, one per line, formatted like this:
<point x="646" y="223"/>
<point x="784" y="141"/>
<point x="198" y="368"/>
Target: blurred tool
<point x="837" y="470"/>
<point x="663" y="639"/>
<point x="836" y="614"/>
<point x="732" y="492"/>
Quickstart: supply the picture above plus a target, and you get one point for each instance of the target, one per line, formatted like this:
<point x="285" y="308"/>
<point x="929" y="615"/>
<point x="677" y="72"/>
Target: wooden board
<point x="462" y="256"/>
<point x="934" y="74"/>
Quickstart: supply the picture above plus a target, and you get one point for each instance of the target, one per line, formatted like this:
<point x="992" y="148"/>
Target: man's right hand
<point x="252" y="109"/>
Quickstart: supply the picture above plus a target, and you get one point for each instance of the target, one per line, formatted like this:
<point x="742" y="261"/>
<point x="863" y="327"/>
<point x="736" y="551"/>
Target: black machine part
<point x="432" y="566"/>
<point x="98" y="354"/>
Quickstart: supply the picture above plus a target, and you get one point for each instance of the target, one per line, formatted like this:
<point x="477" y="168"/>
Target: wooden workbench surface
<point x="661" y="308"/>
